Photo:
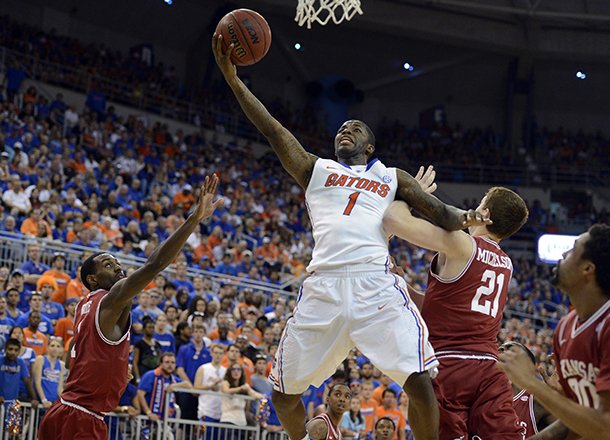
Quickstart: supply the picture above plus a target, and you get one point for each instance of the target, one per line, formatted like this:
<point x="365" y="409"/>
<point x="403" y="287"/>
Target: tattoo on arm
<point x="295" y="160"/>
<point x="446" y="216"/>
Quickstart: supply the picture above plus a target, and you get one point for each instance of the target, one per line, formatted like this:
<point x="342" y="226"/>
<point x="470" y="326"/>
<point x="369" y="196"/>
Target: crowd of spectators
<point x="123" y="186"/>
<point x="94" y="179"/>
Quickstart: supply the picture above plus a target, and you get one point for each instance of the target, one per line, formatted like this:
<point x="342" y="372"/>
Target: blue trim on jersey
<point x="371" y="163"/>
<point x="280" y="360"/>
<point x="432" y="360"/>
<point x="419" y="329"/>
<point x="368" y="165"/>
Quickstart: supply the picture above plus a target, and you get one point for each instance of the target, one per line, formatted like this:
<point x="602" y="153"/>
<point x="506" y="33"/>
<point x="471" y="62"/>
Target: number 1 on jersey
<point x="352" y="201"/>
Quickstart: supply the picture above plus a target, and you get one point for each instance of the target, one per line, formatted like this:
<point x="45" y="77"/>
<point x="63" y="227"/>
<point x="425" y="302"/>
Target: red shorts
<point x="62" y="422"/>
<point x="475" y="399"/>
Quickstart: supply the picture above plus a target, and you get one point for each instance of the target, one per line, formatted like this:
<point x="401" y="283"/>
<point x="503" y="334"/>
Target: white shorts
<point x="337" y="311"/>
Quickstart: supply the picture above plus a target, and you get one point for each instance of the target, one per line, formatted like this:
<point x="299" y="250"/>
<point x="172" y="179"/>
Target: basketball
<point x="249" y="32"/>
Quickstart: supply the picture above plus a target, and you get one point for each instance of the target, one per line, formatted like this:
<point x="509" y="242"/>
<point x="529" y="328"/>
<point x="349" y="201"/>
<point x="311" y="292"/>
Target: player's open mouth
<point x="344" y="139"/>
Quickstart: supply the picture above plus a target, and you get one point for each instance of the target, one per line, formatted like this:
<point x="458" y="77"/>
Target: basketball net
<point x="322" y="11"/>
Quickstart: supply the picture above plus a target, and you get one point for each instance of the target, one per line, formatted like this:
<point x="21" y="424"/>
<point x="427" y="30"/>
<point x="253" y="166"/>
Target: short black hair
<point x="386" y="418"/>
<point x="525" y="349"/>
<point x="88" y="268"/>
<point x="147" y="320"/>
<point x="388" y="390"/>
<point x="12" y="341"/>
<point x="597" y="250"/>
<point x="338" y="384"/>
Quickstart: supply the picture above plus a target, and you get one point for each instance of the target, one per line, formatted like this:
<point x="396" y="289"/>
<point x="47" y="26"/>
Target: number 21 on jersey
<point x="491" y="290"/>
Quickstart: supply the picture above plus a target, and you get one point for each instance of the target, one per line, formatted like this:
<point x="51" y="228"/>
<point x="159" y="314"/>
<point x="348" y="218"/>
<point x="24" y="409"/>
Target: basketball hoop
<point x="322" y="11"/>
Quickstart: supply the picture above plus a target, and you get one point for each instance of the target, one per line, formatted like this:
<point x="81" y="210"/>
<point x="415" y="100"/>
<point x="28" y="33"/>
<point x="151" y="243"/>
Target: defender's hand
<point x="207" y="205"/>
<point x="425" y="178"/>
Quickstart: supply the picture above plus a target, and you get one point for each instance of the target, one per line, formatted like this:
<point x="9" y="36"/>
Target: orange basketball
<point x="249" y="32"/>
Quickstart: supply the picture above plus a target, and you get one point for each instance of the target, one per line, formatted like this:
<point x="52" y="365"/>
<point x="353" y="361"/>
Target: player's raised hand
<point x="223" y="60"/>
<point x="518" y="367"/>
<point x="476" y="218"/>
<point x="425" y="177"/>
<point x="207" y="205"/>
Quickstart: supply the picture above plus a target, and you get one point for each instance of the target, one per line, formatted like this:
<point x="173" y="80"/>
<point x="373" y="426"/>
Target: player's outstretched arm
<point x="120" y="296"/>
<point x="298" y="162"/>
<point x="582" y="420"/>
<point x="399" y="221"/>
<point x="446" y="216"/>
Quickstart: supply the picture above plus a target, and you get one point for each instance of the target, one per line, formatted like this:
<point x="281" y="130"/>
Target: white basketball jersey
<point x="346" y="206"/>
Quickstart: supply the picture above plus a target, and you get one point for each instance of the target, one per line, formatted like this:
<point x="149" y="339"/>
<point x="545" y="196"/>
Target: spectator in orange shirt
<point x="388" y="409"/>
<point x="215" y="238"/>
<point x="184" y="198"/>
<point x="377" y="395"/>
<point x="233" y="356"/>
<point x="77" y="227"/>
<point x="62" y="278"/>
<point x="368" y="406"/>
<point x="76" y="288"/>
<point x="31" y="224"/>
<point x="203" y="251"/>
<point x="65" y="326"/>
<point x="111" y="234"/>
<point x="33" y="337"/>
<point x="268" y="250"/>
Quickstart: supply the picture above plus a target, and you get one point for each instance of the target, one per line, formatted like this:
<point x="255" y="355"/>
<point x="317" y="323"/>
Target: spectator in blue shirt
<point x="13" y="372"/>
<point x="6" y="323"/>
<point x="45" y="326"/>
<point x="165" y="339"/>
<point x="17" y="281"/>
<point x="51" y="309"/>
<point x="144" y="309"/>
<point x="14" y="78"/>
<point x="182" y="280"/>
<point x="225" y="266"/>
<point x="157" y="385"/>
<point x="33" y="268"/>
<point x="190" y="357"/>
<point x="96" y="101"/>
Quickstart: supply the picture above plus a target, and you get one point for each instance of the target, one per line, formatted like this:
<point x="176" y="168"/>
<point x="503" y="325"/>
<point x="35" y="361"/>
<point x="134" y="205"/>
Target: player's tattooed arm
<point x="295" y="160"/>
<point x="317" y="429"/>
<point x="446" y="216"/>
<point x="555" y="431"/>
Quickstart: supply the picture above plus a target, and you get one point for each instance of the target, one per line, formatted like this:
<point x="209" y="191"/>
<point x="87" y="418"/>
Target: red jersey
<point x="464" y="313"/>
<point x="98" y="366"/>
<point x="523" y="403"/>
<point x="333" y="432"/>
<point x="582" y="356"/>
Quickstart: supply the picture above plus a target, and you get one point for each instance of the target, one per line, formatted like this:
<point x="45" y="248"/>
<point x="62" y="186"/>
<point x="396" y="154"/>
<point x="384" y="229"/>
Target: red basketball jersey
<point x="333" y="432"/>
<point x="523" y="403"/>
<point x="98" y="366"/>
<point x="582" y="356"/>
<point x="464" y="313"/>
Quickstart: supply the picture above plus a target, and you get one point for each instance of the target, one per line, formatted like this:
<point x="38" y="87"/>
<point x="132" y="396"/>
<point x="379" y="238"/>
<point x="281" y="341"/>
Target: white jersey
<point x="346" y="206"/>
